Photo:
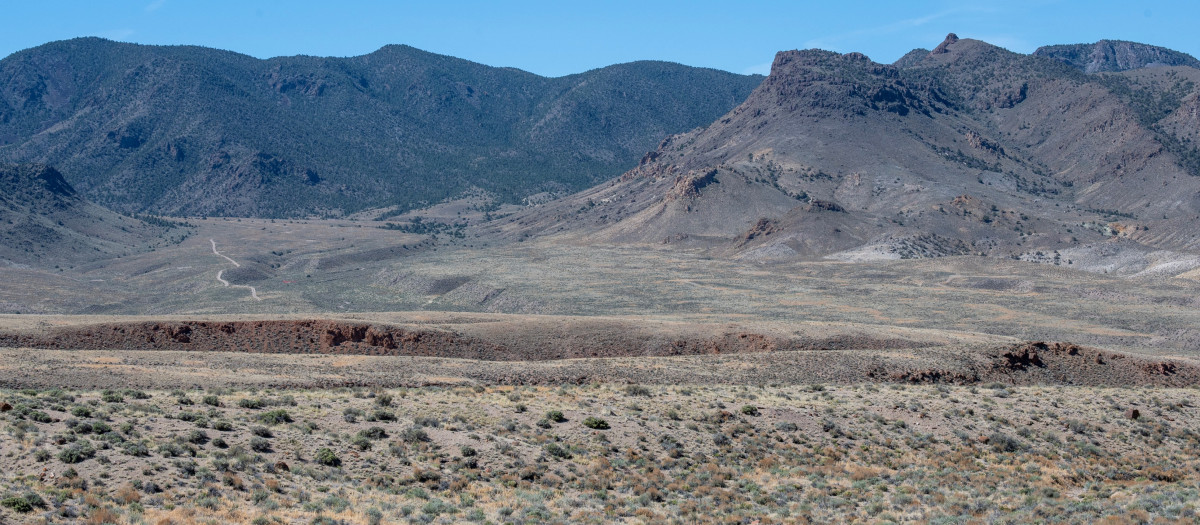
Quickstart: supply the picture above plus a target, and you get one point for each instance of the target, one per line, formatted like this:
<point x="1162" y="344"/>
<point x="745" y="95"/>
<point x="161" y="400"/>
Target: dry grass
<point x="859" y="453"/>
<point x="293" y="258"/>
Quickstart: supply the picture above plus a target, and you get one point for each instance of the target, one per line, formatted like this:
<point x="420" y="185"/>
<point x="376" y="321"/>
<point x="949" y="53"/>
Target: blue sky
<point x="562" y="37"/>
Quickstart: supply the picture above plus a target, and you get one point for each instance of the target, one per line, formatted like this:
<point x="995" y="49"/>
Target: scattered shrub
<point x="17" y="503"/>
<point x="275" y="417"/>
<point x="108" y="396"/>
<point x="361" y="442"/>
<point x="414" y="435"/>
<point x="136" y="448"/>
<point x="373" y="433"/>
<point x="259" y="444"/>
<point x="556" y="416"/>
<point x="382" y="415"/>
<point x="1005" y="443"/>
<point x="595" y="423"/>
<point x="251" y="403"/>
<point x="327" y="457"/>
<point x="637" y="390"/>
<point x="77" y="453"/>
<point x="374" y="516"/>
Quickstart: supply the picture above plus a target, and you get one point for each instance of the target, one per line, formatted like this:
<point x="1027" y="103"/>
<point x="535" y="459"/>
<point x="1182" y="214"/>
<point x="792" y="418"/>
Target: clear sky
<point x="563" y="36"/>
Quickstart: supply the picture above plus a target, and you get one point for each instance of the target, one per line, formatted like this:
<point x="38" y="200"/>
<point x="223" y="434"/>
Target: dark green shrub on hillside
<point x="595" y="423"/>
<point x="275" y="417"/>
<point x="326" y="457"/>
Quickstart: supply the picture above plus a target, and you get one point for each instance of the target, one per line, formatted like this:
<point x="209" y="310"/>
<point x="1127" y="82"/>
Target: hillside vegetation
<point x="44" y="222"/>
<point x="186" y="130"/>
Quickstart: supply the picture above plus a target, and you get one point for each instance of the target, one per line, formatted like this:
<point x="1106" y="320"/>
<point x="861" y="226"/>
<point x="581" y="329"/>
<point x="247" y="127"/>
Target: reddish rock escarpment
<point x="275" y="337"/>
<point x="827" y="355"/>
<point x="519" y="343"/>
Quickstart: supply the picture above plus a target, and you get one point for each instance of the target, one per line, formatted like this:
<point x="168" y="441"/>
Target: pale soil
<point x="336" y="267"/>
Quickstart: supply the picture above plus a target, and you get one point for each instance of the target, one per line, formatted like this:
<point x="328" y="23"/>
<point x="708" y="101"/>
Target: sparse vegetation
<point x="815" y="443"/>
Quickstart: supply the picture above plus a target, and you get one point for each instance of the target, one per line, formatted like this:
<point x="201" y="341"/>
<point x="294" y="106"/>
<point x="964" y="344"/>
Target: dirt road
<point x="253" y="291"/>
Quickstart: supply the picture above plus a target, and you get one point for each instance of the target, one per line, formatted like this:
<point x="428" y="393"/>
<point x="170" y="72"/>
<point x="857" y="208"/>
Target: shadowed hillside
<point x="44" y="221"/>
<point x="188" y="130"/>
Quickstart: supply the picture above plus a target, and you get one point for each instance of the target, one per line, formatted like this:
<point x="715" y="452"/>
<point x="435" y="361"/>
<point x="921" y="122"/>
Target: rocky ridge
<point x="987" y="151"/>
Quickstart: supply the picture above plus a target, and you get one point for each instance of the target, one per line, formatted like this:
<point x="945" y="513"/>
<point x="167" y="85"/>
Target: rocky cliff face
<point x="1115" y="55"/>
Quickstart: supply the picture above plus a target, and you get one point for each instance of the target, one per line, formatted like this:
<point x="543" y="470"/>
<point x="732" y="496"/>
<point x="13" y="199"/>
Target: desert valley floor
<point x="334" y="371"/>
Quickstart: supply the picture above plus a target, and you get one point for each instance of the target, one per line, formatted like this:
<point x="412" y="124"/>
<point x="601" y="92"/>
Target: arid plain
<point x="386" y="377"/>
<point x="960" y="288"/>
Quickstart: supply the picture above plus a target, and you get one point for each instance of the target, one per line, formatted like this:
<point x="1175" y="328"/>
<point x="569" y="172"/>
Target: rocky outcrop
<point x="980" y="142"/>
<point x="1115" y="55"/>
<point x="689" y="186"/>
<point x="317" y="336"/>
<point x="1049" y="363"/>
<point x="944" y="47"/>
<point x="828" y="356"/>
<point x="762" y="228"/>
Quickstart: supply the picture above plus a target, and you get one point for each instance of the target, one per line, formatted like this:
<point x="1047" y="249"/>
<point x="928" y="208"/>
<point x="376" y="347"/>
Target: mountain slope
<point x="189" y="130"/>
<point x="44" y="222"/>
<point x="969" y="149"/>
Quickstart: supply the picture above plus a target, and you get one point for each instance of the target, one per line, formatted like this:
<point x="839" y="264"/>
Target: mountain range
<point x="965" y="149"/>
<point x="184" y="130"/>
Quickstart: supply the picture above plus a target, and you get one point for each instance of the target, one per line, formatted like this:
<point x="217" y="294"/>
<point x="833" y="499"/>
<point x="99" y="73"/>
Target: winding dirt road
<point x="253" y="292"/>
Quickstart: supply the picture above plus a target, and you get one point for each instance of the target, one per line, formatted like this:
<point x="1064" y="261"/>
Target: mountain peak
<point x="944" y="47"/>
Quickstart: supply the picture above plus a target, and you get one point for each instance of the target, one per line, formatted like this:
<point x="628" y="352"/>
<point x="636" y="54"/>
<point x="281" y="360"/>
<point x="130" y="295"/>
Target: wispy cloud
<point x="155" y="5"/>
<point x="834" y="42"/>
